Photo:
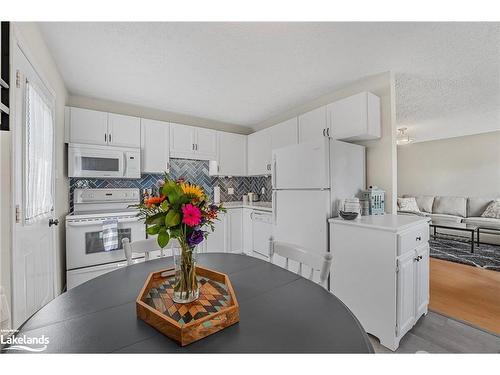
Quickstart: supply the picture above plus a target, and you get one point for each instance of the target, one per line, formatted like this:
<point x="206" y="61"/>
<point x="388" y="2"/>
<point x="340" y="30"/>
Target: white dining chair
<point x="316" y="262"/>
<point x="144" y="246"/>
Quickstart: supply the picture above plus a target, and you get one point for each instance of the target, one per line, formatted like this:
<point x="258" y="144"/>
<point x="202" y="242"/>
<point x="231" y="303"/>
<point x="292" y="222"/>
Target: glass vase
<point x="186" y="287"/>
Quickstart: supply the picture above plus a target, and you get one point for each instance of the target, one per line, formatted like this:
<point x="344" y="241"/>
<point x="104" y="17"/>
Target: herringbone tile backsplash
<point x="194" y="171"/>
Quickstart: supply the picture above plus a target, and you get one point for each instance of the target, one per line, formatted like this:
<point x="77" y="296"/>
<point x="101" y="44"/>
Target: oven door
<point x="85" y="245"/>
<point x="95" y="162"/>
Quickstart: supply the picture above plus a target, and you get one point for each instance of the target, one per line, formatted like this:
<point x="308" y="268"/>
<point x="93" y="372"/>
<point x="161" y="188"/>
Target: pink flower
<point x="191" y="215"/>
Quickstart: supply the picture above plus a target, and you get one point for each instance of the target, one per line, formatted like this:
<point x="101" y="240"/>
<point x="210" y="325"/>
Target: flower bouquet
<point x="181" y="212"/>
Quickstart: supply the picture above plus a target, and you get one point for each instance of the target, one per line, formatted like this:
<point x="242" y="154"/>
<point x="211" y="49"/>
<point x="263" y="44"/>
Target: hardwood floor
<point x="466" y="293"/>
<point x="435" y="333"/>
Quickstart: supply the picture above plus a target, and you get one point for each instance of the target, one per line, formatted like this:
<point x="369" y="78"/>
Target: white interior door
<point x="33" y="246"/>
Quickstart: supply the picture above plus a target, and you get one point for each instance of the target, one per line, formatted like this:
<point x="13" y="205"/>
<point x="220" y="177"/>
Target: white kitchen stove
<point x="86" y="254"/>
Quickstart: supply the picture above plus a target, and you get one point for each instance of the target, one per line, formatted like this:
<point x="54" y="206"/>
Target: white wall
<point x="32" y="40"/>
<point x="381" y="154"/>
<point x="462" y="166"/>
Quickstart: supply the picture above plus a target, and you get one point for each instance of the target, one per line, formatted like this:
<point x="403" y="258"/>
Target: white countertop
<point x="262" y="206"/>
<point x="387" y="222"/>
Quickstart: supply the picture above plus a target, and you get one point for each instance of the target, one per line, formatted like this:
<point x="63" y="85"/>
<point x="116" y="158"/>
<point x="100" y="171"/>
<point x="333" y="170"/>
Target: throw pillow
<point x="493" y="210"/>
<point x="408" y="204"/>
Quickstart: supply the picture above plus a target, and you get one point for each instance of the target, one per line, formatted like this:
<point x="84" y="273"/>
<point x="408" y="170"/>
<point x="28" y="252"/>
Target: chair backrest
<point x="317" y="263"/>
<point x="143" y="246"/>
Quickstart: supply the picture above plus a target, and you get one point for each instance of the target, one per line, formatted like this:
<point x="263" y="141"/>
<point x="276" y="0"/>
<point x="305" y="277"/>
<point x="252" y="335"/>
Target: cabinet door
<point x="155" y="146"/>
<point x="259" y="153"/>
<point x="86" y="126"/>
<point x="313" y="124"/>
<point x="406" y="293"/>
<point x="422" y="280"/>
<point x="217" y="240"/>
<point x="247" y="231"/>
<point x="182" y="140"/>
<point x="284" y="134"/>
<point x="124" y="131"/>
<point x="206" y="144"/>
<point x="232" y="154"/>
<point x="356" y="117"/>
<point x="235" y="235"/>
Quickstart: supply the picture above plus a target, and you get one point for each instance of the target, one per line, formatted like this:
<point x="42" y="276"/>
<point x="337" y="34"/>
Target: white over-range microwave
<point x="103" y="161"/>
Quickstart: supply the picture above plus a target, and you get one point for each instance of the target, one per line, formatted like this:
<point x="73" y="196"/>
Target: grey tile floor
<point x="436" y="333"/>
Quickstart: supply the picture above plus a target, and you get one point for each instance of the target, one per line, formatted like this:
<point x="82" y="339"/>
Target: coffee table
<point x="464" y="227"/>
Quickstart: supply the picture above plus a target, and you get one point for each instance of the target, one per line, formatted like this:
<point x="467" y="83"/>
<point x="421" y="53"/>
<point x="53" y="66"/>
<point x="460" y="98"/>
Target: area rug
<point x="455" y="249"/>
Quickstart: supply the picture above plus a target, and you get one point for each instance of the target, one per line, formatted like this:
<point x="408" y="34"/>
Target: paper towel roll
<point x="216" y="194"/>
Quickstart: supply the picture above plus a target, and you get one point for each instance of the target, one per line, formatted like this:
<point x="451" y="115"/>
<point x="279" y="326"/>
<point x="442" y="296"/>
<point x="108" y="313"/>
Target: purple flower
<point x="195" y="238"/>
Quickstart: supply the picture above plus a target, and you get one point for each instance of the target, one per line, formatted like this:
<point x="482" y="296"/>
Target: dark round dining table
<point x="280" y="312"/>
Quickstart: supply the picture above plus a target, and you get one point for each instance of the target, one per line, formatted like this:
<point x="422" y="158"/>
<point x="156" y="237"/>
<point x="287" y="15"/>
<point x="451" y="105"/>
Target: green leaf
<point x="152" y="230"/>
<point x="173" y="192"/>
<point x="156" y="219"/>
<point x="175" y="233"/>
<point x="163" y="238"/>
<point x="172" y="219"/>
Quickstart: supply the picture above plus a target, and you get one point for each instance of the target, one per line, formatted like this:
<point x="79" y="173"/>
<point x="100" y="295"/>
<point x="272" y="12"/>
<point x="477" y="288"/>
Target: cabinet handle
<point x="324" y="135"/>
<point x="109" y="137"/>
<point x="105" y="138"/>
<point x="418" y="238"/>
<point x="196" y="146"/>
<point x="416" y="259"/>
<point x="328" y="132"/>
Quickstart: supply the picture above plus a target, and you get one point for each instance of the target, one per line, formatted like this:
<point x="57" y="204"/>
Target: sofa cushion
<point x="424" y="202"/>
<point x="408" y="204"/>
<point x="493" y="210"/>
<point x="455" y="206"/>
<point x="444" y="217"/>
<point x="419" y="213"/>
<point x="476" y="206"/>
<point x="483" y="222"/>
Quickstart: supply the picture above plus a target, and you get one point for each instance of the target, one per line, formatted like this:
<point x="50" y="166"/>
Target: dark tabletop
<point x="280" y="312"/>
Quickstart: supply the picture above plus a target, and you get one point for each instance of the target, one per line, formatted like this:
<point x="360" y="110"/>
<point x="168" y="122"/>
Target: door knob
<point x="53" y="222"/>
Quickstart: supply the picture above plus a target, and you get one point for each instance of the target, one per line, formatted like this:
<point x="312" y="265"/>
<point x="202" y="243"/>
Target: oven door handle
<point x="97" y="222"/>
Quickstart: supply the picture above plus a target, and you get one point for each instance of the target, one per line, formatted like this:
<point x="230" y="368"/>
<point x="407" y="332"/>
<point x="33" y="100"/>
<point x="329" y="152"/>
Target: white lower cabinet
<point x="217" y="241"/>
<point x="242" y="230"/>
<point x="235" y="230"/>
<point x="247" y="231"/>
<point x="381" y="272"/>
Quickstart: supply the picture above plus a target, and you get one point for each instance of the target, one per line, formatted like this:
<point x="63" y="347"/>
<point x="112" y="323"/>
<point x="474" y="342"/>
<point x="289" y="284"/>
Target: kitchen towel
<point x="110" y="234"/>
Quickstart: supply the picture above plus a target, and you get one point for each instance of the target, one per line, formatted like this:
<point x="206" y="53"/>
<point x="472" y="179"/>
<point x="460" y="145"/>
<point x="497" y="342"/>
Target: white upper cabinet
<point x="355" y="118"/>
<point x="313" y="124"/>
<point x="155" y="146"/>
<point x="206" y="144"/>
<point x="182" y="140"/>
<point x="259" y="153"/>
<point x="190" y="142"/>
<point x="102" y="128"/>
<point x="231" y="156"/>
<point x="284" y="134"/>
<point x="86" y="126"/>
<point x="124" y="131"/>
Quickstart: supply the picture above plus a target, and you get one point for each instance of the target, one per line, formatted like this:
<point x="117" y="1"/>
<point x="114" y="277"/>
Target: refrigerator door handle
<point x="275" y="211"/>
<point x="274" y="172"/>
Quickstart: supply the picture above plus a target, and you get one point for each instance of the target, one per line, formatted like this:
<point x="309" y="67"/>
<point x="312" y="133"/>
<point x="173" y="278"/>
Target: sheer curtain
<point x="39" y="158"/>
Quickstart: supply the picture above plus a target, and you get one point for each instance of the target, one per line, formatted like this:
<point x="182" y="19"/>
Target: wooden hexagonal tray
<point x="215" y="309"/>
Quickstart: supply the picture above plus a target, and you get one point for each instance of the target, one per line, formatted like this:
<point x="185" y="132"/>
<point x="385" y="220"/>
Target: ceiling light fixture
<point x="403" y="138"/>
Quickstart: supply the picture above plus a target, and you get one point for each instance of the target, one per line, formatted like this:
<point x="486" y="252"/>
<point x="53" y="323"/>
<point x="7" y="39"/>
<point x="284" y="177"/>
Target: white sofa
<point x="457" y="210"/>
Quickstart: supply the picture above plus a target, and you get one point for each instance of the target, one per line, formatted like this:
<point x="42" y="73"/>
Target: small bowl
<point x="348" y="215"/>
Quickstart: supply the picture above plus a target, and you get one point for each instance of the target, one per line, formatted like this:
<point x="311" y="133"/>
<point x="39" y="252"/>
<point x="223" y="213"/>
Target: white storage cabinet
<point x="101" y="128"/>
<point x="155" y="146"/>
<point x="381" y="272"/>
<point x="190" y="142"/>
<point x="231" y="155"/>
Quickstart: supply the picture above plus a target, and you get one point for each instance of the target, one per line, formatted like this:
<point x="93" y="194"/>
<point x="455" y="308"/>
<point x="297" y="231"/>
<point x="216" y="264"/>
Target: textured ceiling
<point x="245" y="73"/>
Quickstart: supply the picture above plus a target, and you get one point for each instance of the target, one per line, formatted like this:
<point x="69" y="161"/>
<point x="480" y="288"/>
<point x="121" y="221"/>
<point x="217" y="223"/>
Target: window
<point x="39" y="149"/>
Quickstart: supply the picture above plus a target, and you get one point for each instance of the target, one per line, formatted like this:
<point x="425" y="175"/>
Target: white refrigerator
<point x="309" y="181"/>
